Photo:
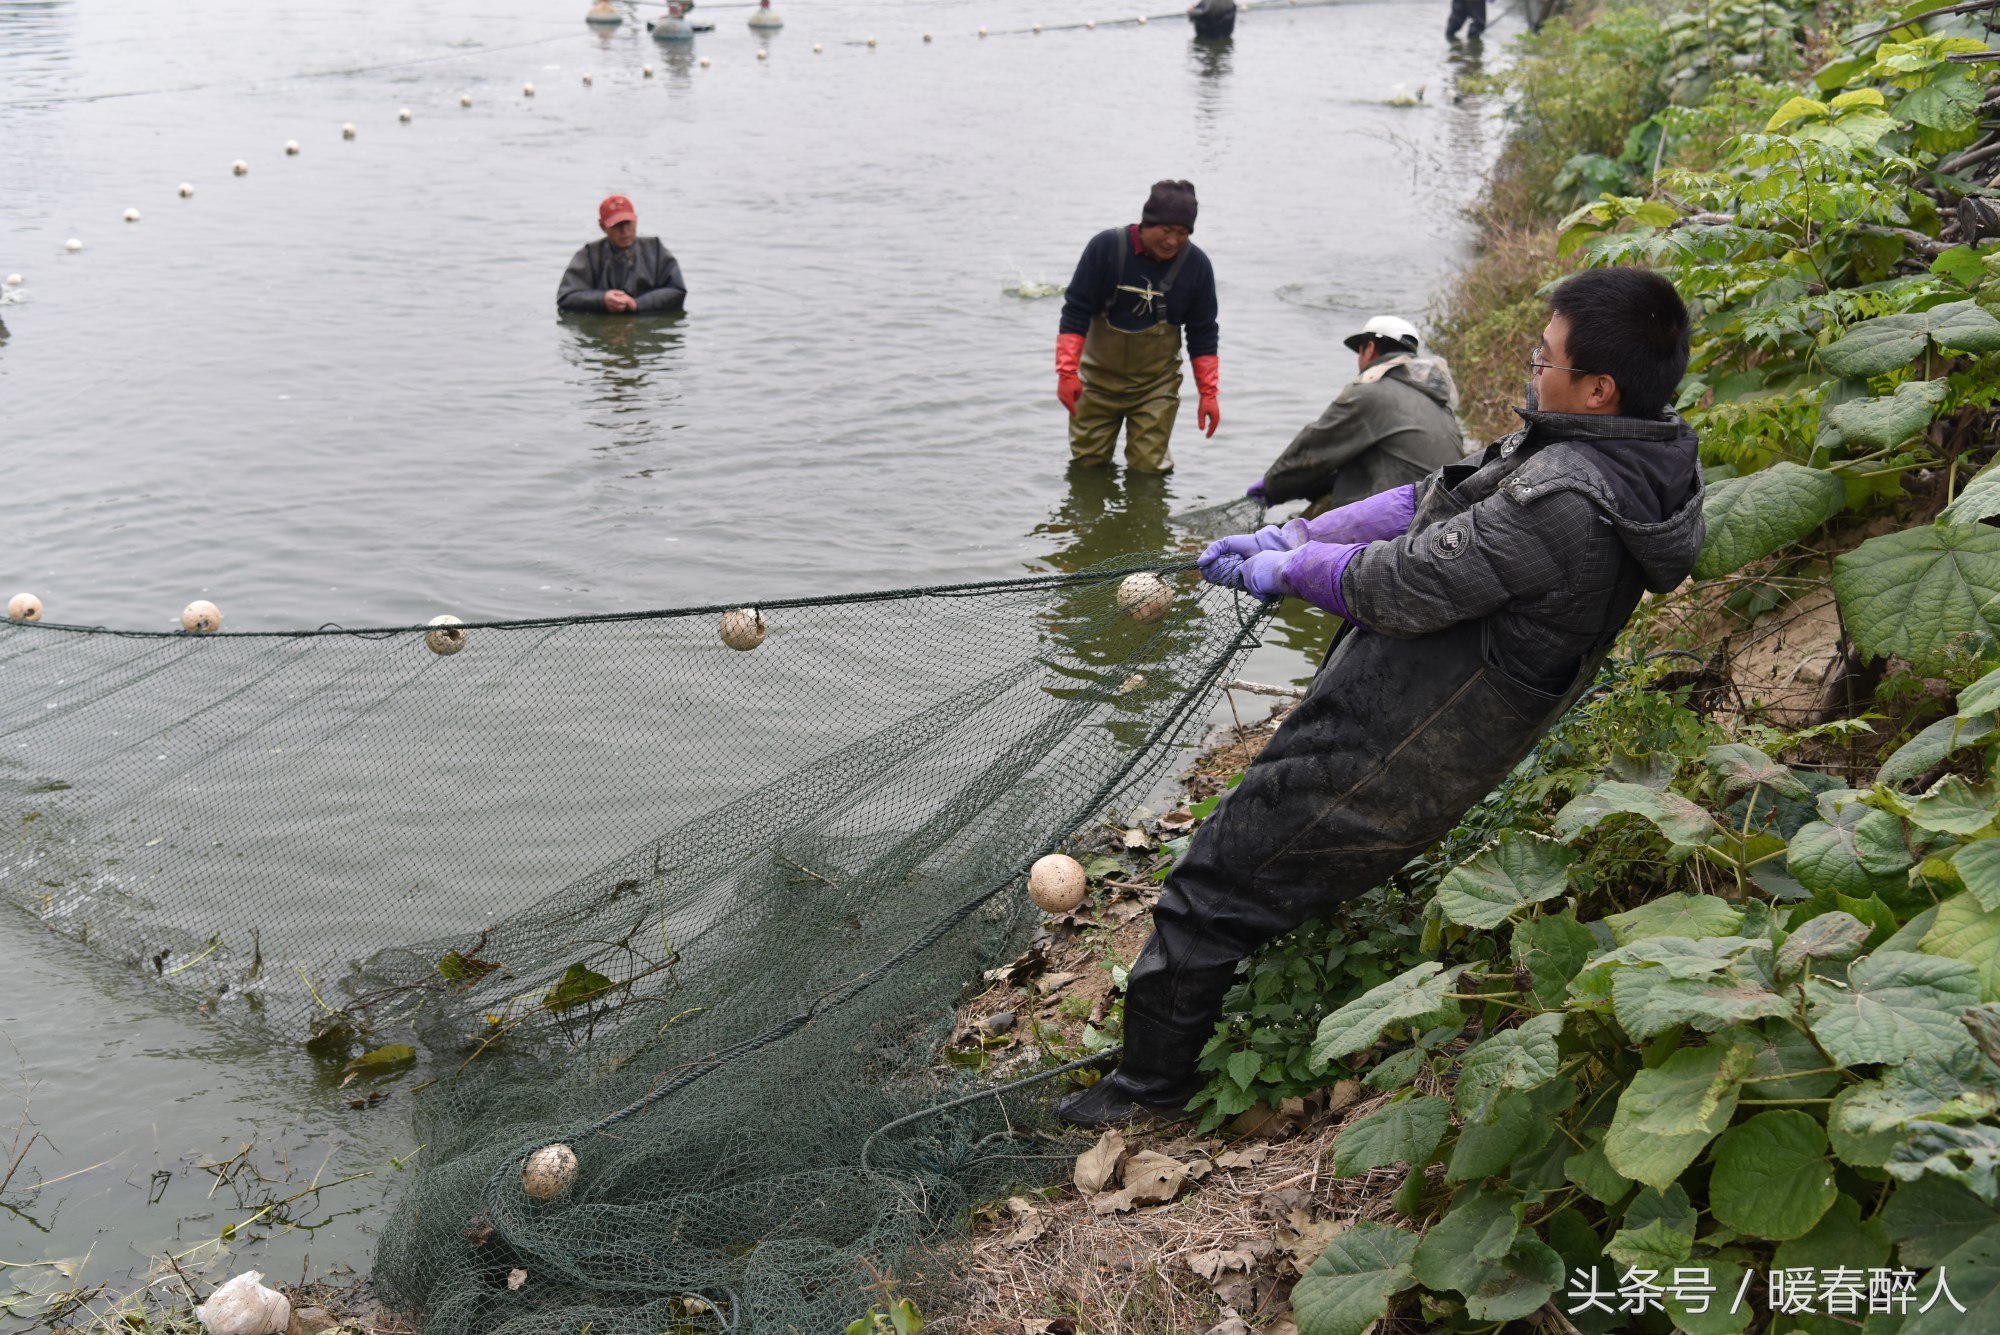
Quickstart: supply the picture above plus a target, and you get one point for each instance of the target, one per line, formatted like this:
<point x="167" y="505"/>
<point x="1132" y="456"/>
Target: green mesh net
<point x="702" y="916"/>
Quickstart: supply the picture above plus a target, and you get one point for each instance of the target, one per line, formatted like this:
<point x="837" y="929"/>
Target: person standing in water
<point x="1118" y="349"/>
<point x="625" y="273"/>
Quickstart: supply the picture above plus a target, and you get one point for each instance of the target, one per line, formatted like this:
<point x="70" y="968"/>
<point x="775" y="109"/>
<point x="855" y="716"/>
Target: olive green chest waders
<point x="1133" y="378"/>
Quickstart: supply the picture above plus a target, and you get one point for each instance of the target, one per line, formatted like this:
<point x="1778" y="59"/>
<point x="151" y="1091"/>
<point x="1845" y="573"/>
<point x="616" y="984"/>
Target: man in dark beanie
<point x="1477" y="605"/>
<point x="1118" y="351"/>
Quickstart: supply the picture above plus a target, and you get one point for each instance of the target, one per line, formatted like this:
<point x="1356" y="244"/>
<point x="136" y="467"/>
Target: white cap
<point x="1387" y="327"/>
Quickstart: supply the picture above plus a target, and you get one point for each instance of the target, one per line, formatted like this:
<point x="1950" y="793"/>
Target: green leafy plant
<point x="1734" y="1075"/>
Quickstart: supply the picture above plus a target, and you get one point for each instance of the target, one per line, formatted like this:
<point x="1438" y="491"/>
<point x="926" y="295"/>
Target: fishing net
<point x="702" y="916"/>
<point x="1242" y="515"/>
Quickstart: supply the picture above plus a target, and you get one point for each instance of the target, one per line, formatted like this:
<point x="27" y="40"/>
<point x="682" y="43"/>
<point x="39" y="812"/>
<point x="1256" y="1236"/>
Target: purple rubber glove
<point x="1264" y="575"/>
<point x="1269" y="538"/>
<point x="1387" y="514"/>
<point x="1314" y="571"/>
<point x="1255" y="491"/>
<point x="1222" y="568"/>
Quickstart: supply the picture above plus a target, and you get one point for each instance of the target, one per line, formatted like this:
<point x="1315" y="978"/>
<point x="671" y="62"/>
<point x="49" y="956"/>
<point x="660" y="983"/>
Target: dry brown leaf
<point x="1342" y="1095"/>
<point x="1097" y="1167"/>
<point x="1230" y="1325"/>
<point x="1049" y="984"/>
<point x="1197" y="1169"/>
<point x="1135" y="838"/>
<point x="1284" y="1325"/>
<point x="1211" y="1265"/>
<point x="1153" y="1179"/>
<point x="1308" y="1237"/>
<point x="1247" y="1157"/>
<point x="1030" y="1228"/>
<point x="1176" y="822"/>
<point x="516" y="1278"/>
<point x="1030" y="962"/>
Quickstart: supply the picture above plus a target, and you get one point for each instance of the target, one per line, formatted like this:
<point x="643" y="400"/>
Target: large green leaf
<point x="1513" y="1059"/>
<point x="1593" y="1174"/>
<point x="1738" y="768"/>
<point x="1973" y="1268"/>
<point x="1750" y="517"/>
<point x="1347" y="1289"/>
<point x="1552" y="949"/>
<point x="1894" y="1006"/>
<point x="1979" y="500"/>
<point x="1474" y="1235"/>
<point x="1948" y="104"/>
<point x="1668" y="1114"/>
<point x="1680" y="820"/>
<point x="1658" y="1232"/>
<point x="1923" y="751"/>
<point x="1772" y="1178"/>
<point x="1977" y="866"/>
<point x="1967" y="1155"/>
<point x="1649" y="1002"/>
<point x="1883" y="422"/>
<point x="1682" y="915"/>
<point x="1856" y="853"/>
<point x="1408" y="995"/>
<point x="1953" y="806"/>
<point x="1491" y="886"/>
<point x="1787" y="1065"/>
<point x="1870" y="1119"/>
<point x="1933" y="1215"/>
<point x="1404" y="1132"/>
<point x="1839" y="1241"/>
<point x="1523" y="1280"/>
<point x="1890" y="342"/>
<point x="1925" y="593"/>
<point x="1521" y="1125"/>
<point x="1830" y="936"/>
<point x="1965" y="931"/>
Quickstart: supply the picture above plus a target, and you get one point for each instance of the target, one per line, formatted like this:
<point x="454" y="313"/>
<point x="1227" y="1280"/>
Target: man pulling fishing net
<point x="1479" y="603"/>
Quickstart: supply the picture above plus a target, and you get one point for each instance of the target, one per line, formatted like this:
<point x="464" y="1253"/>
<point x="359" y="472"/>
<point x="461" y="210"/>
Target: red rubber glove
<point x="1208" y="371"/>
<point x="1069" y="357"/>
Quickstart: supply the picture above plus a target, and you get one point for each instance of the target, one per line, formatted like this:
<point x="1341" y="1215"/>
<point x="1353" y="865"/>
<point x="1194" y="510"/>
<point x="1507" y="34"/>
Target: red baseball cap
<point x="616" y="209"/>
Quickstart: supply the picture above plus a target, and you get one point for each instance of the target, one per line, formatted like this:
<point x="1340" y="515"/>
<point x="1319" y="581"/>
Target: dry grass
<point x="1232" y="1244"/>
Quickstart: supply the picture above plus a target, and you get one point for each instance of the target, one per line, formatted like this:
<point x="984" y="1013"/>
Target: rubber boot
<point x="1155" y="1078"/>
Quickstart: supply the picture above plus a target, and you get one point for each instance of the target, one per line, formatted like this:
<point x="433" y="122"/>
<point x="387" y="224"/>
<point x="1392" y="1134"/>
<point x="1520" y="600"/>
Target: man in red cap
<point x="1118" y="347"/>
<point x="625" y="273"/>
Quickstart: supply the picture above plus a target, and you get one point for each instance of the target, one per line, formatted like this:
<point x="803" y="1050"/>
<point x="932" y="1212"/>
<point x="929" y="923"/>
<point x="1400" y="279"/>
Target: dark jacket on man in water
<point x="1469" y="634"/>
<point x="646" y="271"/>
<point x="1391" y="425"/>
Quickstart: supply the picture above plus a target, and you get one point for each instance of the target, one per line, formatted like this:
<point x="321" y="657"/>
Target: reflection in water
<point x="1108" y="515"/>
<point x="1210" y="58"/>
<point x="633" y="359"/>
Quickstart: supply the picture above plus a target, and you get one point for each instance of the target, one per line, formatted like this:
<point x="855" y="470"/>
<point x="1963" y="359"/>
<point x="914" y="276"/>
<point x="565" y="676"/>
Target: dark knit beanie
<point x="1170" y="204"/>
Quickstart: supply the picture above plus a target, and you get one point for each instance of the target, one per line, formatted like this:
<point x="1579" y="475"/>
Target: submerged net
<point x="794" y="861"/>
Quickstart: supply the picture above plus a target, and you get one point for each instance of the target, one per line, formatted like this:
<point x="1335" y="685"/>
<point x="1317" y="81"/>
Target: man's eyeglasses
<point x="1536" y="365"/>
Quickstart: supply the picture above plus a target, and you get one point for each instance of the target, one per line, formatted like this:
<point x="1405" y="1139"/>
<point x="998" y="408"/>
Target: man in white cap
<point x="1393" y="424"/>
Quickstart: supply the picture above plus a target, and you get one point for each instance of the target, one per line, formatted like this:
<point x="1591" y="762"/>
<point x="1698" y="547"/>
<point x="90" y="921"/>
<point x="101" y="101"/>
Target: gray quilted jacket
<point x="1393" y="424"/>
<point x="647" y="272"/>
<point x="1549" y="535"/>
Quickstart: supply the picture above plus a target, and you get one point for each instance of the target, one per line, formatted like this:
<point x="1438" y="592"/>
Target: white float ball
<point x="1056" y="883"/>
<point x="1145" y="596"/>
<point x="1090" y="24"/>
<point x="762" y="54"/>
<point x="704" y="62"/>
<point x="131" y="215"/>
<point x="588" y="80"/>
<point x="927" y="37"/>
<point x="347" y="130"/>
<point x="24" y="607"/>
<point x="291" y="148"/>
<point x="239" y="167"/>
<point x="187" y="191"/>
<point x="1036" y="29"/>
<point x="646" y="71"/>
<point x="817" y="48"/>
<point x="871" y="41"/>
<point x="1142" y="20"/>
<point x="201" y="617"/>
<point x="743" y="629"/>
<point x="447" y="639"/>
<point x="982" y="32"/>
<point x="72" y="245"/>
<point x="549" y="1172"/>
<point x="404" y="115"/>
<point x="14" y="280"/>
<point x="527" y="90"/>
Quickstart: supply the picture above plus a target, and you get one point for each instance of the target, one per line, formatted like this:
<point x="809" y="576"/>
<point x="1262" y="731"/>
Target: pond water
<point x="336" y="389"/>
